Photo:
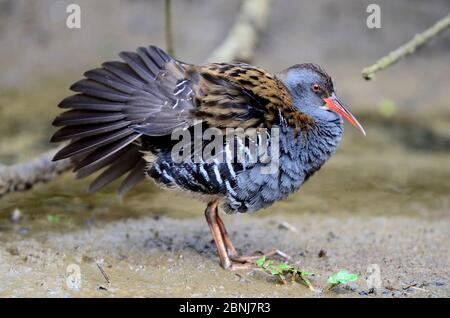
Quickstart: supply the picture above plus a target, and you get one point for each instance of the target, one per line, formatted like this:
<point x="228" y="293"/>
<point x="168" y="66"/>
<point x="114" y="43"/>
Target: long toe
<point x="252" y="258"/>
<point x="239" y="266"/>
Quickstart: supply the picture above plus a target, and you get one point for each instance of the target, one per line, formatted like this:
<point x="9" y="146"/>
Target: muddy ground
<point x="381" y="200"/>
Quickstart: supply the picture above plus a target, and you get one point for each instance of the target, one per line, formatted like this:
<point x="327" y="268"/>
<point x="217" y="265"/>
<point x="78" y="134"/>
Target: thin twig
<point x="421" y="289"/>
<point x="407" y="48"/>
<point x="105" y="276"/>
<point x="168" y="28"/>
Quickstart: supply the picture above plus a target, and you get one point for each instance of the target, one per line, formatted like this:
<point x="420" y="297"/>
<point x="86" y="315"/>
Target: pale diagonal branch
<point x="242" y="38"/>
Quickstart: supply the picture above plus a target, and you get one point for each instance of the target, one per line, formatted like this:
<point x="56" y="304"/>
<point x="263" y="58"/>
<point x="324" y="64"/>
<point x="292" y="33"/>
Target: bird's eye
<point x="316" y="88"/>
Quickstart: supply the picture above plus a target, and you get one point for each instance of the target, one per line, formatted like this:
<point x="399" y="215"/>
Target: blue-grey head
<point x="312" y="92"/>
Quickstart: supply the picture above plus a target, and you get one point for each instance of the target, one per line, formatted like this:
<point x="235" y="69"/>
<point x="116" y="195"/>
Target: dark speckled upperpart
<point x="224" y="94"/>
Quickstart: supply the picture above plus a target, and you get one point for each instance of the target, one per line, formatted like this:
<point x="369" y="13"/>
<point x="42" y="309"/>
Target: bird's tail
<point x="111" y="102"/>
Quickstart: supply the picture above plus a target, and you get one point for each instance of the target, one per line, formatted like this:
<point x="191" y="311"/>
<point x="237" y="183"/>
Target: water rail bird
<point x="124" y="114"/>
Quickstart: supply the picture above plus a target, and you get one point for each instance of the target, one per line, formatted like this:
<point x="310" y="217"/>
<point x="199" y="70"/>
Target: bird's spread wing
<point x="114" y="106"/>
<point x="241" y="95"/>
<point x="151" y="94"/>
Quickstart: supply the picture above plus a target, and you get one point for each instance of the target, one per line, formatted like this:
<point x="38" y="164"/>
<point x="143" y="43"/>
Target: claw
<point x="241" y="266"/>
<point x="252" y="258"/>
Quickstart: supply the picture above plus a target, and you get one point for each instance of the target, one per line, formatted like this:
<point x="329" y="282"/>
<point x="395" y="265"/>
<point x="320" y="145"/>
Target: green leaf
<point x="306" y="274"/>
<point x="342" y="277"/>
<point x="275" y="271"/>
<point x="53" y="218"/>
<point x="284" y="266"/>
<point x="260" y="261"/>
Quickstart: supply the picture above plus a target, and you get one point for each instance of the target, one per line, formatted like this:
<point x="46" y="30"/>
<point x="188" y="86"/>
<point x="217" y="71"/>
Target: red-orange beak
<point x="335" y="105"/>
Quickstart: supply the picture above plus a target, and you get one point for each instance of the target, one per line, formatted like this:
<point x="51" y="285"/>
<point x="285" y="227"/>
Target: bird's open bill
<point x="335" y="105"/>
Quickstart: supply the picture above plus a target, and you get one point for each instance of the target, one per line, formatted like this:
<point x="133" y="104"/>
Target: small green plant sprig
<point x="281" y="271"/>
<point x="341" y="278"/>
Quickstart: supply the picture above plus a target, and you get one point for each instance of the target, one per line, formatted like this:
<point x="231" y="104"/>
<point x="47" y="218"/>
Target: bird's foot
<point x="250" y="260"/>
<point x="229" y="257"/>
